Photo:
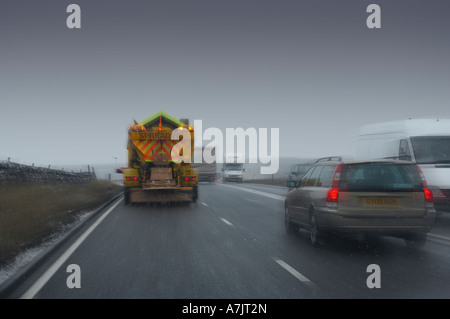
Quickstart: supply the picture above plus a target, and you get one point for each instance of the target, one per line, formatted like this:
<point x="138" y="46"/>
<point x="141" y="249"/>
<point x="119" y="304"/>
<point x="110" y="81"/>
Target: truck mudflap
<point x="162" y="195"/>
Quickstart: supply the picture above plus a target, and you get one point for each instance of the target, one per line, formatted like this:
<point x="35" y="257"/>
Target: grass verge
<point x="33" y="211"/>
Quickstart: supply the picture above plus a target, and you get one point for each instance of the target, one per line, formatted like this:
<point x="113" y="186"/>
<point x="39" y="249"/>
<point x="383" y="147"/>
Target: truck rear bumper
<point x="161" y="195"/>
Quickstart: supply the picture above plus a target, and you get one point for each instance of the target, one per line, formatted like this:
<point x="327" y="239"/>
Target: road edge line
<point x="10" y="285"/>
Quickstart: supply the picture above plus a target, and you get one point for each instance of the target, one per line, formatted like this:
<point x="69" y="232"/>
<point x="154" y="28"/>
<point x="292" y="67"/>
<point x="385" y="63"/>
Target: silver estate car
<point x="386" y="197"/>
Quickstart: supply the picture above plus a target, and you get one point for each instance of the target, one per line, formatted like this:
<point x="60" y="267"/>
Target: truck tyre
<point x="195" y="194"/>
<point x="126" y="194"/>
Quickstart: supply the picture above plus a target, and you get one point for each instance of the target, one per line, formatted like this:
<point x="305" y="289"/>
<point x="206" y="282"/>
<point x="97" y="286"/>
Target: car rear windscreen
<point x="375" y="176"/>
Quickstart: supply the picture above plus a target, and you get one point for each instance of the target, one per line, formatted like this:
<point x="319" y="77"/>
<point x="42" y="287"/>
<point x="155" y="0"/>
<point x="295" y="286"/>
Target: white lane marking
<point x="295" y="273"/>
<point x="37" y="286"/>
<point x="252" y="200"/>
<point x="226" y="222"/>
<point x="257" y="192"/>
<point x="438" y="236"/>
<point x="204" y="204"/>
<point x="439" y="239"/>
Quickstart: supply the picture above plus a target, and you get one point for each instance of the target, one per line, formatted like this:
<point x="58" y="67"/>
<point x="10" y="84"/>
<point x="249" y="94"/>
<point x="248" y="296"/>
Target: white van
<point x="425" y="141"/>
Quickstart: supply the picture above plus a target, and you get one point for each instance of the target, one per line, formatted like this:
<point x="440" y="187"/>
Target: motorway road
<point x="232" y="244"/>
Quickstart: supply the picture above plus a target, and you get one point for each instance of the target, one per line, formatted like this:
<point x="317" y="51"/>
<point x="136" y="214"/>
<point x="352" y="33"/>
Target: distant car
<point x="296" y="174"/>
<point x="386" y="197"/>
<point x="233" y="173"/>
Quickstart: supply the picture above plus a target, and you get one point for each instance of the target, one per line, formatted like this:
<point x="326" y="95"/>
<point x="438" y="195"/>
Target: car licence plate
<point x="380" y="201"/>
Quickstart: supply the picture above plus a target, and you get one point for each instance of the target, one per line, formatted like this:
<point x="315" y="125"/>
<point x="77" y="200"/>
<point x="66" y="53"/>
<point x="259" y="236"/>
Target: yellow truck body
<point x="157" y="167"/>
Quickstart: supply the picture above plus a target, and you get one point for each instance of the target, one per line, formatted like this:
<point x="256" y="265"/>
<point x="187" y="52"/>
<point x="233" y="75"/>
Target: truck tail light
<point x="132" y="178"/>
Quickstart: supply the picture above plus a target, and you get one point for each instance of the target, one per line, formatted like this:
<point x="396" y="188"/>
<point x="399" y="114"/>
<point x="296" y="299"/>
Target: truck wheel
<point x="195" y="194"/>
<point x="126" y="194"/>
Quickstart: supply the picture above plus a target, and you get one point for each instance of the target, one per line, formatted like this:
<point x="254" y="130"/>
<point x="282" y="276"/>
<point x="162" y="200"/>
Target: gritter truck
<point x="157" y="169"/>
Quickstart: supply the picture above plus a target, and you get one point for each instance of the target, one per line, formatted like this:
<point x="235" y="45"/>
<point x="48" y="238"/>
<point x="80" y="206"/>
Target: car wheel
<point x="416" y="241"/>
<point x="314" y="233"/>
<point x="290" y="227"/>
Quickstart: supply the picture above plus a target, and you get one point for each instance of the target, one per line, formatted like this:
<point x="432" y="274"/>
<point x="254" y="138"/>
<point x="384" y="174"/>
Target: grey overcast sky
<point x="313" y="69"/>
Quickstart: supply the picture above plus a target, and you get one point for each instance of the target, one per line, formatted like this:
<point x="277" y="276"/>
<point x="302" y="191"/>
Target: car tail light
<point x="132" y="178"/>
<point x="428" y="196"/>
<point x="333" y="193"/>
<point x="427" y="192"/>
<point x="337" y="176"/>
<point x="424" y="181"/>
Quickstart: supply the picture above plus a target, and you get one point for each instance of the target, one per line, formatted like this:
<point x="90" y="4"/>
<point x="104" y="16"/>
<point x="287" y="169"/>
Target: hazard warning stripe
<point x="161" y="146"/>
<point x="155" y="149"/>
<point x="167" y="147"/>
<point x="146" y="145"/>
<point x="169" y="143"/>
<point x="178" y="147"/>
<point x="138" y="143"/>
<point x="151" y="148"/>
